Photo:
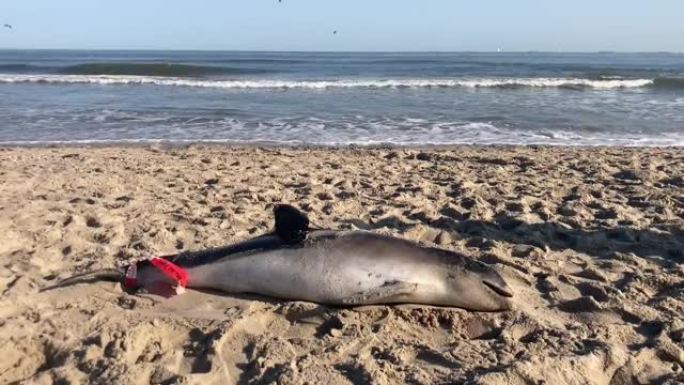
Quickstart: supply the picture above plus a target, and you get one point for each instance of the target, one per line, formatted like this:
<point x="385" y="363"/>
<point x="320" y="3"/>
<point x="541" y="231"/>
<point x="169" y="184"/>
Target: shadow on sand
<point x="665" y="242"/>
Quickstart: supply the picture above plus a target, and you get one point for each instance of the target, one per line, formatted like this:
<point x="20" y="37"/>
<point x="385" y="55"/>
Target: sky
<point x="362" y="25"/>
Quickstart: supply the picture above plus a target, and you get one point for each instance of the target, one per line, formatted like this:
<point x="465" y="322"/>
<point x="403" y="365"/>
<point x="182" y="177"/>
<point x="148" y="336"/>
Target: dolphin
<point x="340" y="268"/>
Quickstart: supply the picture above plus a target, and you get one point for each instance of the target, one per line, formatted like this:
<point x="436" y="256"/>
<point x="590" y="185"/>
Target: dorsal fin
<point x="291" y="225"/>
<point x="291" y="228"/>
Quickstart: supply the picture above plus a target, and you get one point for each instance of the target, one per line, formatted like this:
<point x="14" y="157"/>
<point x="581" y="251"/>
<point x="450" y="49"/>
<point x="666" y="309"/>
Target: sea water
<point x="342" y="98"/>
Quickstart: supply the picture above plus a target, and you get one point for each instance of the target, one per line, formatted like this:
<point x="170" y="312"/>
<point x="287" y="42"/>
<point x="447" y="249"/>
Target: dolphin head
<point x="477" y="286"/>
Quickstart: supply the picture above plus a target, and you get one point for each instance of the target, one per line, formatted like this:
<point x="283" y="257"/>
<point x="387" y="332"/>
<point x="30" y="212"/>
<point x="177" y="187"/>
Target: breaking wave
<point x="505" y="83"/>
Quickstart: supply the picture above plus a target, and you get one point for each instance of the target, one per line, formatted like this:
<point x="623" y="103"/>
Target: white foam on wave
<point x="604" y="84"/>
<point x="609" y="142"/>
<point x="391" y="132"/>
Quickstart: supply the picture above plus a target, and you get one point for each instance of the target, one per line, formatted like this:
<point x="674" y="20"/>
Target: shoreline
<point x="220" y="144"/>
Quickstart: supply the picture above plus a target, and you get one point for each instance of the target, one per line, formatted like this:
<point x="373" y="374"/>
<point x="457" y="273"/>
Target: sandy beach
<point x="590" y="239"/>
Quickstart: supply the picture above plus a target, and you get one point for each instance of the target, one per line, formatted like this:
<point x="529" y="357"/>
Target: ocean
<point x="614" y="99"/>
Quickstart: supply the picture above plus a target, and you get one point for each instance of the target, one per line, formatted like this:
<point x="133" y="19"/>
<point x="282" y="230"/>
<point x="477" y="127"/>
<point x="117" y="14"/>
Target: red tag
<point x="171" y="270"/>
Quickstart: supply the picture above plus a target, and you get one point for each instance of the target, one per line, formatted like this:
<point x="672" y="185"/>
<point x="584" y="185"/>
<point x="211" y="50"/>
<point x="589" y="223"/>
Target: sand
<point x="591" y="240"/>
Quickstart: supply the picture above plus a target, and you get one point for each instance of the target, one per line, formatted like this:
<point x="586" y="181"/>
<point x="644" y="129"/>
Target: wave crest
<point x="570" y="83"/>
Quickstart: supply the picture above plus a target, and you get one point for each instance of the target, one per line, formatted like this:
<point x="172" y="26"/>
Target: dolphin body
<point x="344" y="268"/>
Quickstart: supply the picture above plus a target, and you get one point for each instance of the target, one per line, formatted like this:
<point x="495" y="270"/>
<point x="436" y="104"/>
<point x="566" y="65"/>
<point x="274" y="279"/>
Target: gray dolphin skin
<point x="351" y="269"/>
<point x="343" y="268"/>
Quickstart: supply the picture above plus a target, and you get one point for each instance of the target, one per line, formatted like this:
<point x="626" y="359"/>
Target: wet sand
<point x="591" y="240"/>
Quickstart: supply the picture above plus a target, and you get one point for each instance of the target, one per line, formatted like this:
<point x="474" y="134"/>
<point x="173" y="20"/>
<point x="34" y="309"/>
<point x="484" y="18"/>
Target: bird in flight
<point x="335" y="32"/>
<point x="8" y="26"/>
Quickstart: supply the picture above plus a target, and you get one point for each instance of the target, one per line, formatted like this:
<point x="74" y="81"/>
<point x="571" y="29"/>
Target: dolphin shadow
<point x="664" y="243"/>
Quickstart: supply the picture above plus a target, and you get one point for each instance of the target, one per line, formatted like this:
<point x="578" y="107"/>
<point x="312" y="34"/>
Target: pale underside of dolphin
<point x="346" y="268"/>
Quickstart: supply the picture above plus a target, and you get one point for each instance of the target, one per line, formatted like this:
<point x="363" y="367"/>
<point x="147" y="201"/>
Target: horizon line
<point x="333" y="51"/>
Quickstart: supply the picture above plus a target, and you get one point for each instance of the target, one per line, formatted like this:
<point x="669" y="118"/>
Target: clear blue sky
<point x="363" y="25"/>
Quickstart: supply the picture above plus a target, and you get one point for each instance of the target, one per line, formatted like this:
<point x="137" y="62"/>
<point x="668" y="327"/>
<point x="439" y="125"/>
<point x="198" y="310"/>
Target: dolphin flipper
<point x="291" y="225"/>
<point x="384" y="292"/>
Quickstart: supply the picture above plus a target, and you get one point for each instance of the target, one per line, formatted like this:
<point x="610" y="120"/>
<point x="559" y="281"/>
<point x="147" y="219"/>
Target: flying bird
<point x="335" y="32"/>
<point x="7" y="26"/>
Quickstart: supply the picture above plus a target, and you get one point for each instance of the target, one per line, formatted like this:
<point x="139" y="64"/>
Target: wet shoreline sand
<point x="591" y="239"/>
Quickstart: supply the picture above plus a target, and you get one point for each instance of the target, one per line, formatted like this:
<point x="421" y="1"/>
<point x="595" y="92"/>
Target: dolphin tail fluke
<point x="97" y="275"/>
